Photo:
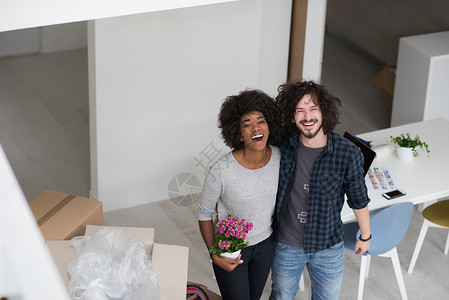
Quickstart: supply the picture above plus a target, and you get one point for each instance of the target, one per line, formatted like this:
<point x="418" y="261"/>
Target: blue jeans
<point x="247" y="280"/>
<point x="325" y="271"/>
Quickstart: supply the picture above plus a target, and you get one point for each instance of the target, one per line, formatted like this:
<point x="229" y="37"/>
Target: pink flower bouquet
<point x="231" y="235"/>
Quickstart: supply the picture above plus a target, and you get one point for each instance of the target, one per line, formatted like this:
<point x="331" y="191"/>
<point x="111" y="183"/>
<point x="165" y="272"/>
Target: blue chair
<point x="388" y="228"/>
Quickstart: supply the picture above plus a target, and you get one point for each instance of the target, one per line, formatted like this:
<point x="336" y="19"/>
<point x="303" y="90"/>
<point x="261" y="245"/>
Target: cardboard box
<point x="62" y="216"/>
<point x="385" y="80"/>
<point x="210" y="294"/>
<point x="169" y="261"/>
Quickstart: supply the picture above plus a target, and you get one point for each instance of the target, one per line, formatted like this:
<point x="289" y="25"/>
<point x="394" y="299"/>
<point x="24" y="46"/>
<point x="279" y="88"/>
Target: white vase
<point x="233" y="255"/>
<point x="405" y="154"/>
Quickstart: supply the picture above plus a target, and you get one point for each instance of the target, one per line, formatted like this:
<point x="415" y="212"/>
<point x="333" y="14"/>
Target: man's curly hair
<point x="290" y="94"/>
<point x="234" y="107"/>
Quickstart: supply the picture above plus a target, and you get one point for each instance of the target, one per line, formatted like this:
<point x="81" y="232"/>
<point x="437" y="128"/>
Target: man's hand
<point x="361" y="247"/>
<point x="362" y="216"/>
<point x="226" y="263"/>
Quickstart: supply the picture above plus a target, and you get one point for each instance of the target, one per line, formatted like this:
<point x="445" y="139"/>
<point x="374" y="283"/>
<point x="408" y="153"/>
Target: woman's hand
<point x="226" y="263"/>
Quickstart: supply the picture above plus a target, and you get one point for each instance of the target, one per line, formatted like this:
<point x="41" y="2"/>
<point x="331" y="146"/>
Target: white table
<point x="425" y="178"/>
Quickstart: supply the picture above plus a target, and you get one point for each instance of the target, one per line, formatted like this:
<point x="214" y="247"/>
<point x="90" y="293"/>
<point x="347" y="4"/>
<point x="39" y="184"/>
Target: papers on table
<point x="379" y="179"/>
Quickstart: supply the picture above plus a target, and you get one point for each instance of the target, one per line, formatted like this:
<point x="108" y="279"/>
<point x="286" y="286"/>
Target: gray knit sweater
<point x="244" y="193"/>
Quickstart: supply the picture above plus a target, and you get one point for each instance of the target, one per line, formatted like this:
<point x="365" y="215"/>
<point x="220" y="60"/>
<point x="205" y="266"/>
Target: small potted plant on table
<point x="407" y="149"/>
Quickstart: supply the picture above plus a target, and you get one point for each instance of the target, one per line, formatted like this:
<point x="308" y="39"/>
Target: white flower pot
<point x="233" y="255"/>
<point x="405" y="154"/>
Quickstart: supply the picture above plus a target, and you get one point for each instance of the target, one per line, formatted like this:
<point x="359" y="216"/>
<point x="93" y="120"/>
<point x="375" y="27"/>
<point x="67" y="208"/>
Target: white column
<point x="421" y="91"/>
<point x="313" y="44"/>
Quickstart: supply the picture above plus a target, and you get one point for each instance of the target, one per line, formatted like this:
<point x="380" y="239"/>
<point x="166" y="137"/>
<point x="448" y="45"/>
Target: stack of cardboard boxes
<point x="61" y="217"/>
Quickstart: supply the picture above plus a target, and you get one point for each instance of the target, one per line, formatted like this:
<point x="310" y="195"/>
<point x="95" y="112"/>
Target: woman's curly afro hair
<point x="290" y="94"/>
<point x="234" y="107"/>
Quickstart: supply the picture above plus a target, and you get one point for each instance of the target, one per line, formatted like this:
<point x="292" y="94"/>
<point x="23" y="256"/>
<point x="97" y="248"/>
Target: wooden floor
<point x="44" y="130"/>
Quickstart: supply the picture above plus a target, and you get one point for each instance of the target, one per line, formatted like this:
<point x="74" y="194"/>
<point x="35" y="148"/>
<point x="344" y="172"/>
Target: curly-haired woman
<point x="244" y="183"/>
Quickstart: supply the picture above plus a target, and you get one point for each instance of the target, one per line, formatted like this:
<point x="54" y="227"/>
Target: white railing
<point x="27" y="271"/>
<point x="20" y="14"/>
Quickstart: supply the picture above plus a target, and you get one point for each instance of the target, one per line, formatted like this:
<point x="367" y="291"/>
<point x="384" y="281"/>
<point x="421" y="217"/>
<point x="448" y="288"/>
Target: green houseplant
<point x="405" y="141"/>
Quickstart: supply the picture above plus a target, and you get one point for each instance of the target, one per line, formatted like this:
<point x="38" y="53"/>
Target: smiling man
<point x="318" y="167"/>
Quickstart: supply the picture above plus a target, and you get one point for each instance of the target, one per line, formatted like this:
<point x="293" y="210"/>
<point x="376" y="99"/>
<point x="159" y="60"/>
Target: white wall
<point x="18" y="42"/>
<point x="156" y="84"/>
<point x="44" y="39"/>
<point x="208" y="52"/>
<point x="64" y="37"/>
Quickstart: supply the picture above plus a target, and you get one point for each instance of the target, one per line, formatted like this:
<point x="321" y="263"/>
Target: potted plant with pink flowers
<point x="230" y="239"/>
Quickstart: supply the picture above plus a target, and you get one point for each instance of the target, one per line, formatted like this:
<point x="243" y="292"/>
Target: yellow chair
<point x="435" y="215"/>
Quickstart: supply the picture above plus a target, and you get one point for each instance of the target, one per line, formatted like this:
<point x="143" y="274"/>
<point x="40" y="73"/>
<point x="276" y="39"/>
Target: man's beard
<point x="311" y="135"/>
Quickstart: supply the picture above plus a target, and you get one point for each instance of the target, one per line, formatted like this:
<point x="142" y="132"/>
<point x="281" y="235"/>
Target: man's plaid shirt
<point x="338" y="170"/>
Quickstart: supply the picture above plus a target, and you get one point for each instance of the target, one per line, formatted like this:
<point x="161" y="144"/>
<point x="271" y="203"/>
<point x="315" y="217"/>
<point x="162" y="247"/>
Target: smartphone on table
<point x="393" y="194"/>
